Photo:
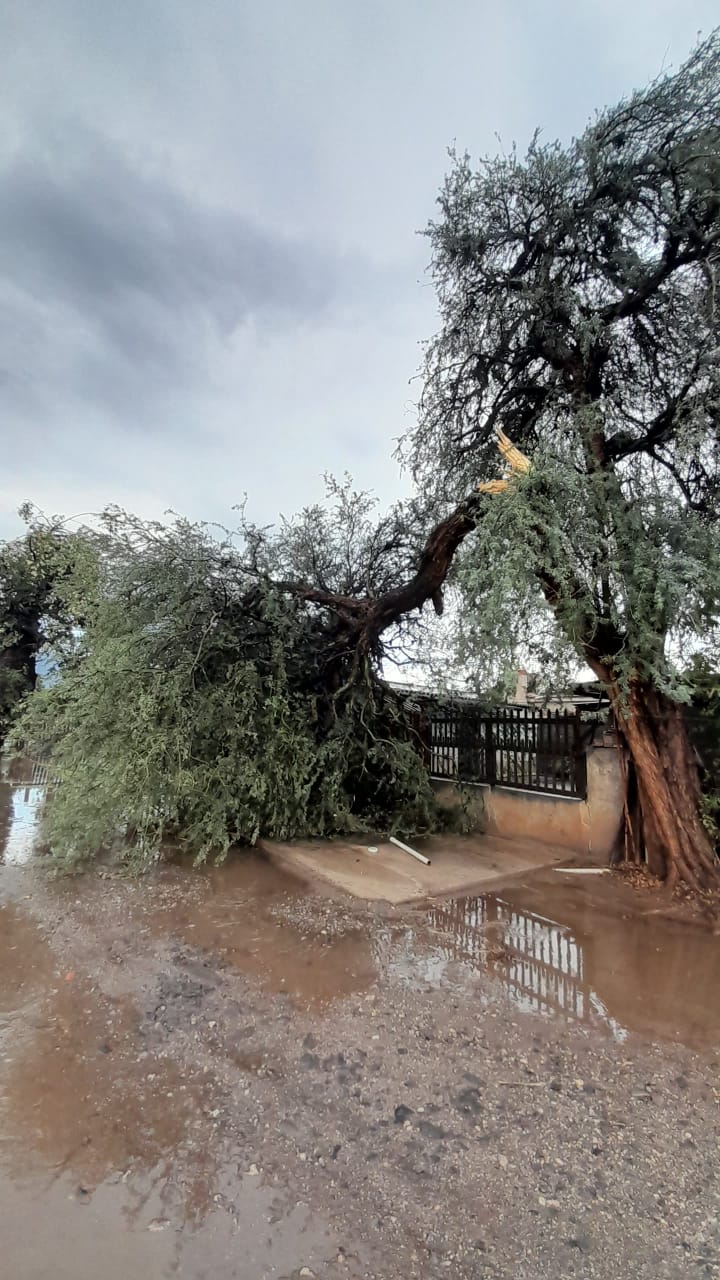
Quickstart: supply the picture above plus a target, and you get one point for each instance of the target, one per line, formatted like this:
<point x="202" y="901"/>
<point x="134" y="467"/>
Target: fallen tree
<point x="226" y="687"/>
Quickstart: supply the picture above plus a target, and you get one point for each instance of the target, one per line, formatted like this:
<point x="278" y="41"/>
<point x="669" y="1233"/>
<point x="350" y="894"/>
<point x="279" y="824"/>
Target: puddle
<point x="122" y="1231"/>
<point x="19" y="814"/>
<point x="582" y="951"/>
<point x="242" y="913"/>
<point x="117" y="1158"/>
<point x="74" y="1077"/>
<point x="585" y="949"/>
<point x="113" y="1159"/>
<point x="572" y="952"/>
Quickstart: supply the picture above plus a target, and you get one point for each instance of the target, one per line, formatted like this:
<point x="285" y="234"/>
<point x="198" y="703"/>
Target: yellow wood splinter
<point x="518" y="464"/>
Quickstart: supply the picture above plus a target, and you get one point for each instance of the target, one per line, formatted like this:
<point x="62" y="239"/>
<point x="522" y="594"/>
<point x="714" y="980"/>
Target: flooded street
<point x="230" y="1073"/>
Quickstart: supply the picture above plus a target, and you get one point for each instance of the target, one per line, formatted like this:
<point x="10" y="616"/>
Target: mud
<point x="233" y="1073"/>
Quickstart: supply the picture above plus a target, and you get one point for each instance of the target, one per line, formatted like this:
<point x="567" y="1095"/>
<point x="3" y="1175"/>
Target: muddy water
<point x="50" y="1232"/>
<point x="584" y="952"/>
<point x="589" y="950"/>
<point x="241" y="913"/>
<point x="111" y="1157"/>
<point x="114" y="1157"/>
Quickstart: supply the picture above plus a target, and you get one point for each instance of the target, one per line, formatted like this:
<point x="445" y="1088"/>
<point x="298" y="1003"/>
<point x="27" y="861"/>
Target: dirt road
<point x="230" y="1074"/>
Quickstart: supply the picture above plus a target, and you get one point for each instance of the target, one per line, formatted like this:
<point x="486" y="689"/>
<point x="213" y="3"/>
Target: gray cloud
<point x="146" y="273"/>
<point x="209" y="281"/>
<point x="101" y="232"/>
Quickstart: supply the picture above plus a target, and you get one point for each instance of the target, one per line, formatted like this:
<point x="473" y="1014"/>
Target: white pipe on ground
<point x="413" y="852"/>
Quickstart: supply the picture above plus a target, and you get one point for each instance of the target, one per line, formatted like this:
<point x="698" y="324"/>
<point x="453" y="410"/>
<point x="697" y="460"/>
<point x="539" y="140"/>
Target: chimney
<point x="521" y="689"/>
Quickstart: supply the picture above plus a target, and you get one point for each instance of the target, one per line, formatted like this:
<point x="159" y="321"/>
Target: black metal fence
<point x="523" y="747"/>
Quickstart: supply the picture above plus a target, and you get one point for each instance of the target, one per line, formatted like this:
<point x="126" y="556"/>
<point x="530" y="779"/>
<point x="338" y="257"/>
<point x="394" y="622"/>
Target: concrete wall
<point x="587" y="826"/>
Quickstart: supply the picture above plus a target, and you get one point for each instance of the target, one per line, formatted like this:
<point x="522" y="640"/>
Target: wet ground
<point x="230" y="1073"/>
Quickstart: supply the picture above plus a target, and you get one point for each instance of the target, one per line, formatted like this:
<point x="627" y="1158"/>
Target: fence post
<point x="490" y="759"/>
<point x="580" y="758"/>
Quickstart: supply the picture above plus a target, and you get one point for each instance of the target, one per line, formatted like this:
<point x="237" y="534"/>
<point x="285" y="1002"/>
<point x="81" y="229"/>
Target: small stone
<point x="253" y="1171"/>
<point x="468" y="1101"/>
<point x="503" y="1162"/>
<point x="305" y="1271"/>
<point x="581" y="1242"/>
<point x="430" y="1130"/>
<point x="158" y="1224"/>
<point x="402" y="1113"/>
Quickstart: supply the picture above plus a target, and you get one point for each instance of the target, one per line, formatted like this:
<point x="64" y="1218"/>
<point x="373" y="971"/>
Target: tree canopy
<point x="579" y="310"/>
<point x="39" y="602"/>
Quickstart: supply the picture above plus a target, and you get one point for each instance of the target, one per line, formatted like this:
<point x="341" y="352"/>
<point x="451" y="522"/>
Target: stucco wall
<point x="587" y="826"/>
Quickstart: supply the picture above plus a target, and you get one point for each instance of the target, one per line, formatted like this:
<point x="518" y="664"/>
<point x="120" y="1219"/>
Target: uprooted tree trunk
<point x="663" y="826"/>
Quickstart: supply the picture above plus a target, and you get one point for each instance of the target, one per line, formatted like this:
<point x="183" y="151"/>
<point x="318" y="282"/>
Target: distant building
<point x="586" y="695"/>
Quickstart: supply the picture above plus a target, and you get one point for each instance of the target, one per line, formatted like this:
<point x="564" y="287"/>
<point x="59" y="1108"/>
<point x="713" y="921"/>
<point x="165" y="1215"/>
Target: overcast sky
<point x="210" y="277"/>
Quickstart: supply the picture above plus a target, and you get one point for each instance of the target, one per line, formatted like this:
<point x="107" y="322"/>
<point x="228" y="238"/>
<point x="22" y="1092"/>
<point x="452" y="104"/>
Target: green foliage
<point x="579" y="314"/>
<point x="196" y="709"/>
<point x="39" y="577"/>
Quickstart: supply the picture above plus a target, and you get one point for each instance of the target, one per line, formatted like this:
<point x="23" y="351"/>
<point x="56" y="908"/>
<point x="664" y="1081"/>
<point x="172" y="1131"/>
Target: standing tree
<point x="38" y="605"/>
<point x="578" y="293"/>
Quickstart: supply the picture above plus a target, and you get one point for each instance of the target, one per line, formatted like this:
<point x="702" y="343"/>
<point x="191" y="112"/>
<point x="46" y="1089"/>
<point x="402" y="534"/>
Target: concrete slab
<point x="459" y="864"/>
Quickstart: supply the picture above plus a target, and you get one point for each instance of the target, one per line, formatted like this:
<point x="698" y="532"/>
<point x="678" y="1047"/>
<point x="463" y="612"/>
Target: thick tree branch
<point x="366" y="617"/>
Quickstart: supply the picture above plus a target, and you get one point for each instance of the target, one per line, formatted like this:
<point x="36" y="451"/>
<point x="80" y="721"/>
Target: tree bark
<point x="662" y="824"/>
<point x="362" y="620"/>
<point x="662" y="814"/>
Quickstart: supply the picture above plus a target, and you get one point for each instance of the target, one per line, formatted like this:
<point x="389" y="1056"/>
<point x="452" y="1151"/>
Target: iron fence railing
<point x="523" y="747"/>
